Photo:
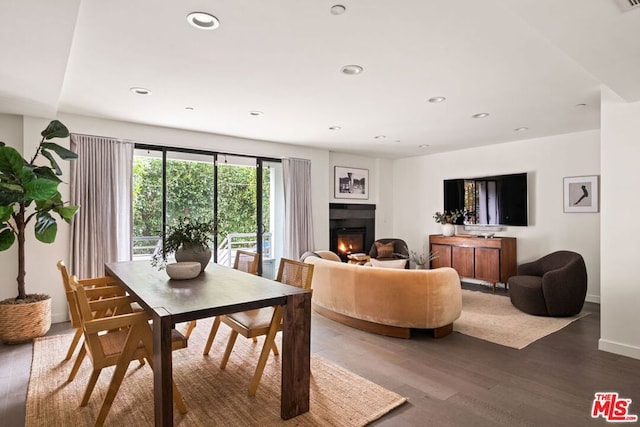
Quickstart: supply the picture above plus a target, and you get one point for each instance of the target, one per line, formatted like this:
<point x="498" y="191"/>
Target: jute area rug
<point x="493" y="318"/>
<point x="214" y="397"/>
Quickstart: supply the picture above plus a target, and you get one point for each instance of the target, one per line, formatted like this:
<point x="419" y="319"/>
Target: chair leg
<point x="266" y="348"/>
<point x="274" y="347"/>
<point x="79" y="358"/>
<point x="227" y="351"/>
<point x="74" y="343"/>
<point x="131" y="343"/>
<point x="212" y="335"/>
<point x="90" y="385"/>
<point x="255" y="339"/>
<point x="190" y="328"/>
<point x="177" y="399"/>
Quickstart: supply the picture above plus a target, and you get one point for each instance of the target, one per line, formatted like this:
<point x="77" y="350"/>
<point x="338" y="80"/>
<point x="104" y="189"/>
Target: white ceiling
<point x="525" y="62"/>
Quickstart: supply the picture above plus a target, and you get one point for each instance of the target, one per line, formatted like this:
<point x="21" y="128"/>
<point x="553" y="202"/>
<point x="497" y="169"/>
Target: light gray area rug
<point x="493" y="318"/>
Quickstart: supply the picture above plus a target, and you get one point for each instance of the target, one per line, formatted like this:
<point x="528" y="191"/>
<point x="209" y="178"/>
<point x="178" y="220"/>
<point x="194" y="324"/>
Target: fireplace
<point x="351" y="228"/>
<point x="351" y="241"/>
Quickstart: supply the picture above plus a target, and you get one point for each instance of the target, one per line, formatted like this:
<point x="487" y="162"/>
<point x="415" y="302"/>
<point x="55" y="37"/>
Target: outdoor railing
<point x="145" y="246"/>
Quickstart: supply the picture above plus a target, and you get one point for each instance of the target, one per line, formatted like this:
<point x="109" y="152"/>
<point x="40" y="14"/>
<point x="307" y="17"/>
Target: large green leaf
<point x="66" y="212"/>
<point x="54" y="164"/>
<point x="46" y="228"/>
<point x="60" y="151"/>
<point x="5" y="212"/>
<point x="55" y="129"/>
<point x="46" y="173"/>
<point x="10" y="161"/>
<point x="8" y="196"/>
<point x="6" y="239"/>
<point x="40" y="189"/>
<point x="50" y="203"/>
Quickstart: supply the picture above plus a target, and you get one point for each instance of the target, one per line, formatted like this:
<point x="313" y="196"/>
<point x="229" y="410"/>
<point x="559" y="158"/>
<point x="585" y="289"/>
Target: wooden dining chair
<point x="74" y="314"/>
<point x="265" y="321"/>
<point x="246" y="261"/>
<point x="118" y="339"/>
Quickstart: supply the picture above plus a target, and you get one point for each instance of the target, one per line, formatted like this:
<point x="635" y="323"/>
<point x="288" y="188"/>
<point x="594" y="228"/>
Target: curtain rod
<point x="147" y="146"/>
<point x="102" y="136"/>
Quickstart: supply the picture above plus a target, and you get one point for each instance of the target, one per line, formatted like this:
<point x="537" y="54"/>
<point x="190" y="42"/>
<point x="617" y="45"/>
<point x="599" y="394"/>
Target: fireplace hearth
<point x="351" y="228"/>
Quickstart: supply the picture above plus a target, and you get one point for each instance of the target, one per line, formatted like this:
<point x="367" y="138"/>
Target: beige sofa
<point x="384" y="300"/>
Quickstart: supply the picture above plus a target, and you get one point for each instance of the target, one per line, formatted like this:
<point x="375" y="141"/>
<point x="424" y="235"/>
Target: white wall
<point x="620" y="152"/>
<point x="42" y="275"/>
<point x="380" y="187"/>
<point x="418" y="193"/>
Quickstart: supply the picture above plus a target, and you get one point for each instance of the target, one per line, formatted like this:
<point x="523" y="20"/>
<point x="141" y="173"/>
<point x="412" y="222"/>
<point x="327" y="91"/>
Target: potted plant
<point x="189" y="240"/>
<point x="447" y="219"/>
<point x="29" y="193"/>
<point x="422" y="259"/>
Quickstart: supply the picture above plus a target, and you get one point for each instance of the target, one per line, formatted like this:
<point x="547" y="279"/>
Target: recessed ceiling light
<point x="334" y="128"/>
<point x="255" y="113"/>
<point x="351" y="69"/>
<point x="522" y="129"/>
<point x="140" y="91"/>
<point x="423" y="146"/>
<point x="337" y="9"/>
<point x="480" y="115"/>
<point x="581" y="105"/>
<point x="203" y="20"/>
<point x="437" y="99"/>
<point x="379" y="137"/>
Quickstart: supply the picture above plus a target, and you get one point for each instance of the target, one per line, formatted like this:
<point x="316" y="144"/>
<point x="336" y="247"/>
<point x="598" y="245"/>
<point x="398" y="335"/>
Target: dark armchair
<point x="387" y="249"/>
<point x="554" y="285"/>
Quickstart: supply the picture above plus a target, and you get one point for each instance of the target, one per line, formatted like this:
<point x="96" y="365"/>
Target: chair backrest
<point x="94" y="303"/>
<point x="295" y="273"/>
<point x="400" y="248"/>
<point x="74" y="316"/>
<point x="247" y="261"/>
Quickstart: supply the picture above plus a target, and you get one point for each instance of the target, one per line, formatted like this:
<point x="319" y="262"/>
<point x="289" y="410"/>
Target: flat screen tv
<point x="490" y="200"/>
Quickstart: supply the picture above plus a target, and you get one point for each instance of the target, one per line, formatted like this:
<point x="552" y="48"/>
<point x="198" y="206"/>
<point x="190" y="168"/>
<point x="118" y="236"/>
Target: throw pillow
<point x="394" y="263"/>
<point x="385" y="250"/>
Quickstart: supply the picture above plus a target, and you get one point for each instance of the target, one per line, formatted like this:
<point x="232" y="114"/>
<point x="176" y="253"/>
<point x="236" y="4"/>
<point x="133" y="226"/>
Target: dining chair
<point x="265" y="321"/>
<point x="74" y="314"/>
<point x="118" y="339"/>
<point x="246" y="261"/>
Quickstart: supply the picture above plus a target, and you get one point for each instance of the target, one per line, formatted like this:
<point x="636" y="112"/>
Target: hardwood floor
<point x="452" y="381"/>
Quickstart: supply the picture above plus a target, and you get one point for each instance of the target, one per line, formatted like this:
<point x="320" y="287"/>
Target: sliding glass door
<point x="243" y="195"/>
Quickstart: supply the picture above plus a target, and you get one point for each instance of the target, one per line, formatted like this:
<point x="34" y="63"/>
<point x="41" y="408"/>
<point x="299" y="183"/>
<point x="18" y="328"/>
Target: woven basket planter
<point x="23" y="322"/>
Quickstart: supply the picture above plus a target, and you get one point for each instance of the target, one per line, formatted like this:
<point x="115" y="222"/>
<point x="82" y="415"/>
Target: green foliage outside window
<point x="190" y="190"/>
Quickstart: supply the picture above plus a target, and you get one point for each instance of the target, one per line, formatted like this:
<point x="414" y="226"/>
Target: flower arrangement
<point x="449" y="217"/>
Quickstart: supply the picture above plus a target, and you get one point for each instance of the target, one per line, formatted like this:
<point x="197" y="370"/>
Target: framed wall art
<point x="581" y="194"/>
<point x="351" y="183"/>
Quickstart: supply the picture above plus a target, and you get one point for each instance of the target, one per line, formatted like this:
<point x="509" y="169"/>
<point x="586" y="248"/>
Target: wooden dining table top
<point x="217" y="290"/>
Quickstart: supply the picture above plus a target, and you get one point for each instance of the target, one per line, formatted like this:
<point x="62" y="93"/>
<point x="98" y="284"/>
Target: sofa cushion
<point x="393" y="263"/>
<point x="385" y="250"/>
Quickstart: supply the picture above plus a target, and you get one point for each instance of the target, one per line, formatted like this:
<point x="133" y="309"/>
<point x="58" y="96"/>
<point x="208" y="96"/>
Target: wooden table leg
<point x="296" y="350"/>
<point x="162" y="371"/>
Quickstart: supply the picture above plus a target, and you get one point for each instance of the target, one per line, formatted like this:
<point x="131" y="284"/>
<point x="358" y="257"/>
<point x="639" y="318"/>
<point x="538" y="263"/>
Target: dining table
<point x="217" y="291"/>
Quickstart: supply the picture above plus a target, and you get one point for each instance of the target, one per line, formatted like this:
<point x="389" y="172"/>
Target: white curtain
<point x="298" y="233"/>
<point x="101" y="184"/>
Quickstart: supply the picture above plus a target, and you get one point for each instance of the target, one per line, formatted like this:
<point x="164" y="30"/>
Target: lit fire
<point x="342" y="248"/>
